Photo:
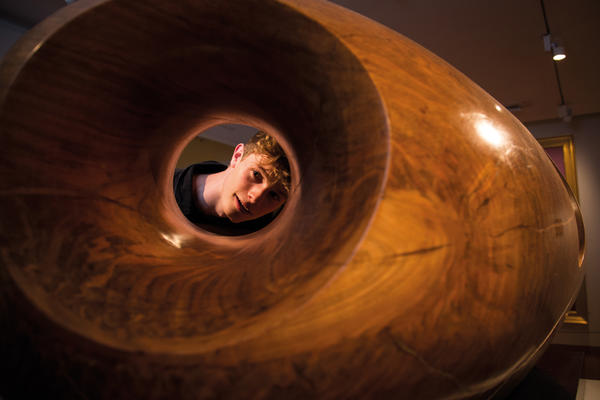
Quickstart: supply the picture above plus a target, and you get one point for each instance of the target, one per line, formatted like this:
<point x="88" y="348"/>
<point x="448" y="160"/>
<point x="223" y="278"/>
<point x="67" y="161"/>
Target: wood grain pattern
<point x="429" y="249"/>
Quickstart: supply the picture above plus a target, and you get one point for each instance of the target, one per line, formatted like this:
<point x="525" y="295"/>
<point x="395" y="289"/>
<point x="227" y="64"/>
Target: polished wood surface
<point x="429" y="249"/>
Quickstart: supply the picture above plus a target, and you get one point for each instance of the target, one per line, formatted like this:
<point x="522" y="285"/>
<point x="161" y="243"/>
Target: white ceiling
<point x="498" y="44"/>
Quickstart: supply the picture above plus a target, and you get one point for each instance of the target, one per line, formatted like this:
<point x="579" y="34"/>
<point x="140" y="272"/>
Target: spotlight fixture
<point x="558" y="52"/>
<point x="565" y="113"/>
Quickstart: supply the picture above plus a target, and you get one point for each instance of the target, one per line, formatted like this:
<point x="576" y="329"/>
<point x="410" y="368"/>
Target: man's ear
<point x="237" y="155"/>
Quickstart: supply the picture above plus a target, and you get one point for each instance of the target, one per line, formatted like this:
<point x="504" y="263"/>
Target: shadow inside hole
<point x="209" y="153"/>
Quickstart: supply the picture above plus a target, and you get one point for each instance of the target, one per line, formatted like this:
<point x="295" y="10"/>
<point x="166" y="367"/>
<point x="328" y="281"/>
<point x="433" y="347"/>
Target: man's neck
<point x="207" y="189"/>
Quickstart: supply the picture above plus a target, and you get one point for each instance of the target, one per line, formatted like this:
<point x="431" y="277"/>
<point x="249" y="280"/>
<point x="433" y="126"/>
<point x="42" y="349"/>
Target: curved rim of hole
<point x="252" y="127"/>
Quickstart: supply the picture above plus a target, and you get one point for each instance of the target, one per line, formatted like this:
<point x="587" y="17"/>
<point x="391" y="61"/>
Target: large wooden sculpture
<point x="429" y="250"/>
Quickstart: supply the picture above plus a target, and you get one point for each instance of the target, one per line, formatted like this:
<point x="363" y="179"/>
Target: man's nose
<point x="256" y="193"/>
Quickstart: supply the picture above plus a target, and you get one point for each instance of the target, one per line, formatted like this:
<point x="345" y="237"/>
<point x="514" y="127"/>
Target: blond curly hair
<point x="266" y="146"/>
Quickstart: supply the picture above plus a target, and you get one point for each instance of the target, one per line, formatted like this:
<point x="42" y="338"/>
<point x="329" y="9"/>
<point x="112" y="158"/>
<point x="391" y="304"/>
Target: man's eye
<point x="256" y="175"/>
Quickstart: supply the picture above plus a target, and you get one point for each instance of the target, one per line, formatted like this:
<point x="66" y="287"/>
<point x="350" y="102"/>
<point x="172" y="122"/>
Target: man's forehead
<point x="263" y="163"/>
<point x="260" y="161"/>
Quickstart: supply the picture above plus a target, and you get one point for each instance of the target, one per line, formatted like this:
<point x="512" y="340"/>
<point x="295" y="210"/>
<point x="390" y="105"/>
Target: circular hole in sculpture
<point x="232" y="180"/>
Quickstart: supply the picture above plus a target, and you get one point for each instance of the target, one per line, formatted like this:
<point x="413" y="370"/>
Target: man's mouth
<point x="241" y="206"/>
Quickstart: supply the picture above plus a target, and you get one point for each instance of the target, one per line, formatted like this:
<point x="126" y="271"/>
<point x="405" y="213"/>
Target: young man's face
<point x="247" y="191"/>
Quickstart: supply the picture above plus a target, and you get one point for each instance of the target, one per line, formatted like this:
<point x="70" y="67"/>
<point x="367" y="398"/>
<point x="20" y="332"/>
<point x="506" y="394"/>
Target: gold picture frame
<point x="561" y="150"/>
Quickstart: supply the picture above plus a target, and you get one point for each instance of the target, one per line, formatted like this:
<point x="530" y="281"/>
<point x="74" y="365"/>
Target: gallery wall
<point x="9" y="33"/>
<point x="586" y="134"/>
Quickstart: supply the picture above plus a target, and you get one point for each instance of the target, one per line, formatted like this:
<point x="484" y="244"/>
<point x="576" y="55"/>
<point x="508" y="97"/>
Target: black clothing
<point x="183" y="187"/>
<point x="184" y="195"/>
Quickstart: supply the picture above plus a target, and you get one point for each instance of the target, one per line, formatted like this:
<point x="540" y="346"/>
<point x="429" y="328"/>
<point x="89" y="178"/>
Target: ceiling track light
<point x="565" y="113"/>
<point x="558" y="52"/>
